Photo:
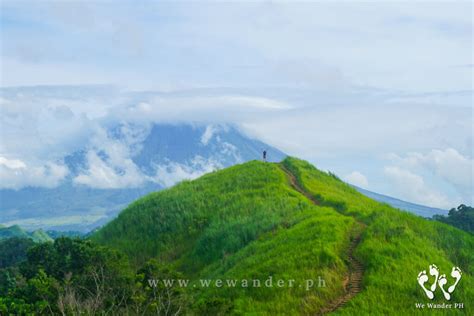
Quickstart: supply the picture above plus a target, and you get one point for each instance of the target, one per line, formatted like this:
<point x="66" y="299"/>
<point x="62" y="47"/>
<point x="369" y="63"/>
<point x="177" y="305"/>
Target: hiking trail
<point x="353" y="281"/>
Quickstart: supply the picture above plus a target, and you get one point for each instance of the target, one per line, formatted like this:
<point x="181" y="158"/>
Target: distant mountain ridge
<point x="421" y="210"/>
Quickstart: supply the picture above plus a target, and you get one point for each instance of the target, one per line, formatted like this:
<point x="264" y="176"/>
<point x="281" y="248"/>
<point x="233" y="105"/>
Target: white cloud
<point x="170" y="173"/>
<point x="47" y="123"/>
<point x="109" y="163"/>
<point x="228" y="149"/>
<point x="113" y="174"/>
<point x="358" y="179"/>
<point x="12" y="163"/>
<point x="199" y="108"/>
<point x="449" y="164"/>
<point x="208" y="133"/>
<point x="412" y="187"/>
<point x="16" y="174"/>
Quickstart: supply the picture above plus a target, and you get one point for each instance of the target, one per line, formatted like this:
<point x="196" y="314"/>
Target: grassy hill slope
<point x="248" y="222"/>
<point x="16" y="231"/>
<point x="395" y="247"/>
<point x="12" y="231"/>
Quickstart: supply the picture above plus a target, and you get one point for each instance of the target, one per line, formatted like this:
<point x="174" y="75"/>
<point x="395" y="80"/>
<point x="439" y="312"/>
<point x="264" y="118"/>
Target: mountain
<point x="12" y="231"/>
<point x="289" y="221"/>
<point x="134" y="159"/>
<point x="16" y="231"/>
<point x="417" y="209"/>
<point x="40" y="236"/>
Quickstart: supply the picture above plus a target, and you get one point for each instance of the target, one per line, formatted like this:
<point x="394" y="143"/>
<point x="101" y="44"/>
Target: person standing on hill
<point x="265" y="155"/>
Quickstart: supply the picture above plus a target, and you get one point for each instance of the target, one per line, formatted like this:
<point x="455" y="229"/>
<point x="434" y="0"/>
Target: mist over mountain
<point x="72" y="157"/>
<point x="51" y="134"/>
<point x="123" y="162"/>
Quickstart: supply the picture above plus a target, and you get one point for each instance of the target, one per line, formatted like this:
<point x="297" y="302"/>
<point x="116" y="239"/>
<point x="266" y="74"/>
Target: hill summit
<point x="289" y="221"/>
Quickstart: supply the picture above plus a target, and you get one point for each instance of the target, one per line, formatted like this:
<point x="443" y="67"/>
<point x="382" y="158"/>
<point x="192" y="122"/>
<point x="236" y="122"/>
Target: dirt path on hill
<point x="295" y="185"/>
<point x="353" y="281"/>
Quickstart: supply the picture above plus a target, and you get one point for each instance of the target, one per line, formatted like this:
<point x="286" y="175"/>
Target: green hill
<point x="12" y="231"/>
<point x="291" y="221"/>
<point x="17" y="231"/>
<point x="40" y="236"/>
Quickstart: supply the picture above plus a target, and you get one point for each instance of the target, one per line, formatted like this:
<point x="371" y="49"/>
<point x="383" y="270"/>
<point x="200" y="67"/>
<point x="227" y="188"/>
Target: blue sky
<point x="379" y="92"/>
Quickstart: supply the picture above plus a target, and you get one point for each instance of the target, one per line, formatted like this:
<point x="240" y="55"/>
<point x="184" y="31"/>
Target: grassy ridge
<point x="204" y="219"/>
<point x="246" y="222"/>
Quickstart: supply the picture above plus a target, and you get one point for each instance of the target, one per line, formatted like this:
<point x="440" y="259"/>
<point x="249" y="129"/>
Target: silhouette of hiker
<point x="265" y="155"/>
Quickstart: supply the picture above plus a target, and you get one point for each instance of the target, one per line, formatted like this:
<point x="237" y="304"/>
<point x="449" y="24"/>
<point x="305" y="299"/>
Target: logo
<point x="440" y="280"/>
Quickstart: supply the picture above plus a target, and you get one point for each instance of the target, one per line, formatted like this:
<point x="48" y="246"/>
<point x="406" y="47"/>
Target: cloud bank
<point x="16" y="174"/>
<point x="53" y="124"/>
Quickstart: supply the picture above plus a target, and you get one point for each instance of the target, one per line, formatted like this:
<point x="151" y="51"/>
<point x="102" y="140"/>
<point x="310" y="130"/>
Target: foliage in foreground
<point x="13" y="251"/>
<point x="77" y="277"/>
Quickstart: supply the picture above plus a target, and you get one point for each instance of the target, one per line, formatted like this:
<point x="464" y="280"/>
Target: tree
<point x="79" y="277"/>
<point x="461" y="217"/>
<point x="158" y="291"/>
<point x="69" y="276"/>
<point x="13" y="251"/>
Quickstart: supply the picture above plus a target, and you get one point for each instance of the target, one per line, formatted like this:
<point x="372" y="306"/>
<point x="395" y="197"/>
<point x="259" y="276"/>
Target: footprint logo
<point x="434" y="271"/>
<point x="439" y="280"/>
<point x="456" y="274"/>
<point x="442" y="282"/>
<point x="422" y="279"/>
